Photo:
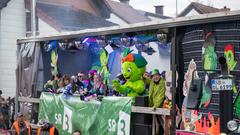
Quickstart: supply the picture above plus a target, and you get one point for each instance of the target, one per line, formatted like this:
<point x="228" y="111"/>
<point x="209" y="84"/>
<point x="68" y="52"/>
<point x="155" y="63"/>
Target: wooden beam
<point x="34" y="126"/>
<point x="29" y="100"/>
<point x="149" y="110"/>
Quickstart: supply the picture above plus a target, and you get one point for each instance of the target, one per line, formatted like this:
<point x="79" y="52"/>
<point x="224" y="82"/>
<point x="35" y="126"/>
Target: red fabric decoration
<point x="208" y="34"/>
<point x="229" y="47"/>
<point x="128" y="58"/>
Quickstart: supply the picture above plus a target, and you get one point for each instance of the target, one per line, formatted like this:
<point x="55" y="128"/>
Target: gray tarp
<point x="28" y="74"/>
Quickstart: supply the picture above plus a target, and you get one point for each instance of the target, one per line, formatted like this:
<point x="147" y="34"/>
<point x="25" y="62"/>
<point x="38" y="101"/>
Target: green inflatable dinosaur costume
<point x="134" y="66"/>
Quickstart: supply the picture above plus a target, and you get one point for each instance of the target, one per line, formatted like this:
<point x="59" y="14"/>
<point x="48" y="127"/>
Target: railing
<point x="135" y="109"/>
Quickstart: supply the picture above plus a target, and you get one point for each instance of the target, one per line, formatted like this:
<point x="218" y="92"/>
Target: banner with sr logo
<point x="111" y="116"/>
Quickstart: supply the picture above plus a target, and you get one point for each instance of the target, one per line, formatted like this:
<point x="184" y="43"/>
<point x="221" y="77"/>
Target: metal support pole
<point x="226" y="110"/>
<point x="176" y="8"/>
<point x="225" y="97"/>
<point x="33" y="21"/>
<point x="173" y="67"/>
<point x="153" y="124"/>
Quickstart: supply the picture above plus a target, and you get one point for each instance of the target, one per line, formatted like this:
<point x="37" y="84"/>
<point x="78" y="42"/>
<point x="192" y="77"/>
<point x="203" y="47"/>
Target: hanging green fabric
<point x="206" y="96"/>
<point x="104" y="70"/>
<point x="237" y="107"/>
<point x="54" y="60"/>
<point x="210" y="59"/>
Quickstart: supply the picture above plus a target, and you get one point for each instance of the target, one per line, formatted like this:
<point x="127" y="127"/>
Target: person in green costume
<point x="156" y="89"/>
<point x="156" y="94"/>
<point x="133" y="66"/>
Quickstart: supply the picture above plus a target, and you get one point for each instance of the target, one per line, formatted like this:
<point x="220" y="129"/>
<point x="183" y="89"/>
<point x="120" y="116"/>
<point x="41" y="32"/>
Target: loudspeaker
<point x="141" y="101"/>
<point x="195" y="94"/>
<point x="141" y="129"/>
<point x="143" y="118"/>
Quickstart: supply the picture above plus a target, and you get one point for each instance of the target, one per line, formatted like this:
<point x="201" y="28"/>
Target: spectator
<point x="0" y="93"/>
<point x="60" y="85"/>
<point x="67" y="85"/>
<point x="4" y="115"/>
<point x="77" y="132"/>
<point x="45" y="128"/>
<point x="73" y="82"/>
<point x="82" y="86"/>
<point x="55" y="81"/>
<point x="52" y="85"/>
<point x="89" y="81"/>
<point x="98" y="86"/>
<point x="21" y="126"/>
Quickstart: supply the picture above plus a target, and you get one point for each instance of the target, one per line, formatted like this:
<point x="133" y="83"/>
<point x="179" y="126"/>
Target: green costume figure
<point x="229" y="55"/>
<point x="103" y="71"/>
<point x="209" y="54"/>
<point x="134" y="66"/>
<point x="231" y="62"/>
<point x="209" y="63"/>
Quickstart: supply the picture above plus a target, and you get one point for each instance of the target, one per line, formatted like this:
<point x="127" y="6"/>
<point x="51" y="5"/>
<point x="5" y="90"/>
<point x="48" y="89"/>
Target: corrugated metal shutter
<point x="225" y="33"/>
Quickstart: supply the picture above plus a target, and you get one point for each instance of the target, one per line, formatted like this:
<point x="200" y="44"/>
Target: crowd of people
<point x="79" y="84"/>
<point x="92" y="85"/>
<point x="6" y="112"/>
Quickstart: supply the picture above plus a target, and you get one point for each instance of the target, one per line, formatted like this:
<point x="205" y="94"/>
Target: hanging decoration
<point x="230" y="57"/>
<point x="143" y="38"/>
<point x="104" y="70"/>
<point x="164" y="48"/>
<point x="78" y="45"/>
<point x="49" y="46"/>
<point x="63" y="44"/>
<point x="186" y="113"/>
<point x="209" y="54"/>
<point x="211" y="127"/>
<point x="54" y="58"/>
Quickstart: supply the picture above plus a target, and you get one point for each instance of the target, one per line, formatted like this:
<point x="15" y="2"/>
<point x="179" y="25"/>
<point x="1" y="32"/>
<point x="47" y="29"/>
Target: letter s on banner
<point x="123" y="124"/>
<point x="67" y="120"/>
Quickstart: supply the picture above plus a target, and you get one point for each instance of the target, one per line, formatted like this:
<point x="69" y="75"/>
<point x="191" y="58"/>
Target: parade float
<point x="204" y="73"/>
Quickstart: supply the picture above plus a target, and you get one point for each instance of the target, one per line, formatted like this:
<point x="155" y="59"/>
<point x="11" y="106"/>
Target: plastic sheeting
<point x="29" y="62"/>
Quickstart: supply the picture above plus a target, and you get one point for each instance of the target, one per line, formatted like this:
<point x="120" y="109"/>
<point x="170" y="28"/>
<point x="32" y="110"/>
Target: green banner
<point x="111" y="116"/>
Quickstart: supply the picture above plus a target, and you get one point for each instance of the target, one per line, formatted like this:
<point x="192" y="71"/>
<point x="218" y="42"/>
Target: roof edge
<point x="4" y="3"/>
<point x="166" y="23"/>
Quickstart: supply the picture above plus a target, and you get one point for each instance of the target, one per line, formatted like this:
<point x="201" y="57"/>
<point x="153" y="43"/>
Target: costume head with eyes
<point x="133" y="65"/>
<point x="230" y="56"/>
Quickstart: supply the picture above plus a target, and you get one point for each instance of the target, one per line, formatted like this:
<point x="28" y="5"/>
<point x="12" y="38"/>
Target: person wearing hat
<point x="21" y="126"/>
<point x="156" y="88"/>
<point x="89" y="82"/>
<point x="156" y="93"/>
<point x="45" y="128"/>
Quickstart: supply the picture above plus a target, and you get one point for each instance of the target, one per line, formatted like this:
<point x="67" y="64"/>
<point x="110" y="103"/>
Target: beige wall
<point x="12" y="26"/>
